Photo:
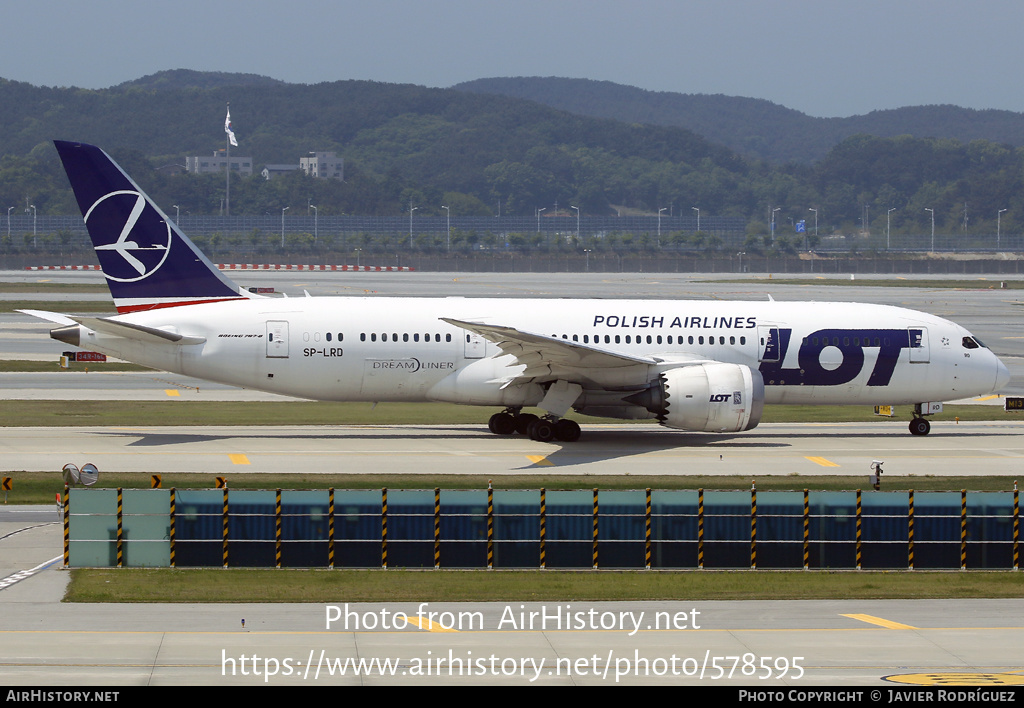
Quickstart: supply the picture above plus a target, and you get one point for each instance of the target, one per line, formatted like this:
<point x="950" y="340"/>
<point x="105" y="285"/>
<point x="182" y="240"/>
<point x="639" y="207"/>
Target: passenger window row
<point x="652" y="339"/>
<point x="404" y="337"/>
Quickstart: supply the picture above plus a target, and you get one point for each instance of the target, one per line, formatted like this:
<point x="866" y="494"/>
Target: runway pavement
<point x="642" y="450"/>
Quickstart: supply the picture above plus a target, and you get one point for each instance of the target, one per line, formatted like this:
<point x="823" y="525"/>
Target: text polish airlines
<point x="692" y="365"/>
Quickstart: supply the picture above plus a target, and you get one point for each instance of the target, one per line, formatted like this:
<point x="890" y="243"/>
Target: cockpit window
<point x="970" y="343"/>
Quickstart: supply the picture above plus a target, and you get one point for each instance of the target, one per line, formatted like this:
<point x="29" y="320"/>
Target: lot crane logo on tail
<point x="137" y="260"/>
<point x="149" y="264"/>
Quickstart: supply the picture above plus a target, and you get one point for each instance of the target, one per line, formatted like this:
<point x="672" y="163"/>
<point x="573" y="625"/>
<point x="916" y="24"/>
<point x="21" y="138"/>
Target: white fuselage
<point x="399" y="349"/>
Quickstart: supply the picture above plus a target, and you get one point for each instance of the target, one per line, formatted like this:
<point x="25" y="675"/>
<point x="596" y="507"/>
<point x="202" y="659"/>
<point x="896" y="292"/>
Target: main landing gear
<point x="543" y="429"/>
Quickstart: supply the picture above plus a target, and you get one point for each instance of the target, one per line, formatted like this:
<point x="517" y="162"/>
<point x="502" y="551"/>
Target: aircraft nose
<point x="1002" y="375"/>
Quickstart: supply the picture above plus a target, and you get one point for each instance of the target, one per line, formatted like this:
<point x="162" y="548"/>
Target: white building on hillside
<point x="325" y="165"/>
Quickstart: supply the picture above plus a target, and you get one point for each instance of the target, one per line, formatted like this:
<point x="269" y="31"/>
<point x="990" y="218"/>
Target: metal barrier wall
<point x="540" y="529"/>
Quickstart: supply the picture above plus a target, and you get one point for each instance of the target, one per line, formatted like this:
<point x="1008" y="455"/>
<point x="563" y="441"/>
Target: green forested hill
<point x="401" y="137"/>
<point x="480" y="152"/>
<point x="752" y="126"/>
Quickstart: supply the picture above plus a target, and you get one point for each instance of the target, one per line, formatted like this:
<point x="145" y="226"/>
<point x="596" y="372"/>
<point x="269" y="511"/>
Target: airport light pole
<point x="9" y="223"/>
<point x="33" y="208"/>
<point x="449" y="213"/>
<point x="659" y="224"/>
<point x="697" y="209"/>
<point x="577" y="222"/>
<point x="887" y="226"/>
<point x="815" y="228"/>
<point x="999" y="216"/>
<point x="538" y="218"/>
<point x="933" y="227"/>
<point x="316" y="222"/>
<point x="773" y="222"/>
<point x="282" y="224"/>
<point x="411" y="210"/>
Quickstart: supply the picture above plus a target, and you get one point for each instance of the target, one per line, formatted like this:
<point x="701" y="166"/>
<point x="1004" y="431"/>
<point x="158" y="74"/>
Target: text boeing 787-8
<point x="692" y="365"/>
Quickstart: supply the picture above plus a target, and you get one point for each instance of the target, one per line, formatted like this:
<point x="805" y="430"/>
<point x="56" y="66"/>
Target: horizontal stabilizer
<point x="54" y="317"/>
<point x="153" y="335"/>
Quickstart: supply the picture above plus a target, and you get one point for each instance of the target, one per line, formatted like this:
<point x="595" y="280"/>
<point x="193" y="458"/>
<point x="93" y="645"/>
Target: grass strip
<point x="46" y="286"/>
<point x="53" y="366"/>
<point x="209" y="585"/>
<point x="175" y="410"/>
<point x="39" y="487"/>
<point x="994" y="283"/>
<point x="63" y="306"/>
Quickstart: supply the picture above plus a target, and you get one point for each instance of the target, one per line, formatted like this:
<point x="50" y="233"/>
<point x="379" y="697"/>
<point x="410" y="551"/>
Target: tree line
<point x="484" y="155"/>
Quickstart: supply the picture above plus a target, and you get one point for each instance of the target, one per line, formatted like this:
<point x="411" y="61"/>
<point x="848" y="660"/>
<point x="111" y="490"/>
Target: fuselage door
<point x="919" y="350"/>
<point x="475" y="345"/>
<point x="277" y="339"/>
<point x="768" y="343"/>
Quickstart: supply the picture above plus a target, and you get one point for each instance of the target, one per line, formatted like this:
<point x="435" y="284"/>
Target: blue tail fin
<point x="147" y="261"/>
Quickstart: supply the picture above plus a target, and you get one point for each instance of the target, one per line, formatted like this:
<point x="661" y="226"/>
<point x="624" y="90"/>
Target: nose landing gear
<point x="920" y="426"/>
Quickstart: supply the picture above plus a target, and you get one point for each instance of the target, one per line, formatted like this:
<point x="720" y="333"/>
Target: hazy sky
<point x="823" y="57"/>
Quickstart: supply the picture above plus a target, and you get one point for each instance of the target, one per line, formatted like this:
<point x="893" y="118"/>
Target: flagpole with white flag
<point x="227" y="168"/>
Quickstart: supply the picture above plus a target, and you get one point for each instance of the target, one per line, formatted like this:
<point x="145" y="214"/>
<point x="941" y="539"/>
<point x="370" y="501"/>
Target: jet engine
<point x="715" y="398"/>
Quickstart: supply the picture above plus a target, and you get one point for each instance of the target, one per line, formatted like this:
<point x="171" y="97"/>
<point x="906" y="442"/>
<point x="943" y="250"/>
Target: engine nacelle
<point x="715" y="398"/>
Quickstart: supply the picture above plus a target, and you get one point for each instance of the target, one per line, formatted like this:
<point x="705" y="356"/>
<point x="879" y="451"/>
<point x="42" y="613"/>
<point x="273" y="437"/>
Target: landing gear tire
<point x="920" y="426"/>
<point x="567" y="430"/>
<point x="523" y="421"/>
<point x="541" y="430"/>
<point x="502" y="424"/>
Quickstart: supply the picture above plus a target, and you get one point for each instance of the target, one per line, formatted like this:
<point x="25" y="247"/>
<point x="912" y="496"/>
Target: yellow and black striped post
<point x="859" y="547"/>
<point x="171" y="520"/>
<point x="807" y="530"/>
<point x="753" y="525"/>
<point x="543" y="528"/>
<point x="384" y="528"/>
<point x="120" y="539"/>
<point x="330" y="528"/>
<point x="910" y="532"/>
<point x="595" y="529"/>
<point x="437" y="527"/>
<point x="490" y="526"/>
<point x="647" y="531"/>
<point x="1016" y="527"/>
<point x="700" y="529"/>
<point x="963" y="529"/>
<point x="224" y="529"/>
<point x="67" y="527"/>
<point x="277" y="529"/>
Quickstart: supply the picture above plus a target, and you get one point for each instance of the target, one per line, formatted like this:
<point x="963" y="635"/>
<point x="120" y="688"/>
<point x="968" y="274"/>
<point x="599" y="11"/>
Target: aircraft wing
<point x="548" y="358"/>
